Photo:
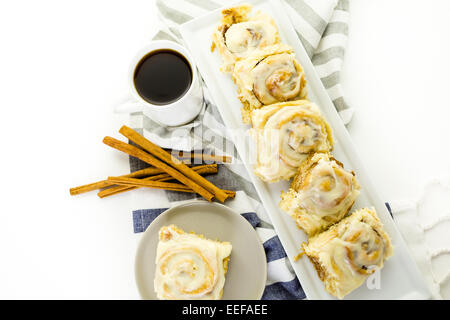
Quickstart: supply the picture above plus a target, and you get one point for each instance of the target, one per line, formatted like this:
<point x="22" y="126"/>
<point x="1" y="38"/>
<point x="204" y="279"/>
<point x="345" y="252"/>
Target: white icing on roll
<point x="240" y="34"/>
<point x="321" y="193"/>
<point x="276" y="79"/>
<point x="188" y="266"/>
<point x="245" y="37"/>
<point x="330" y="189"/>
<point x="327" y="190"/>
<point x="268" y="76"/>
<point x="350" y="251"/>
<point x="286" y="134"/>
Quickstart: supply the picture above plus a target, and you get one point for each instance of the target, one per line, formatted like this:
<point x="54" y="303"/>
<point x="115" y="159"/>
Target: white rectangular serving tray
<point x="400" y="277"/>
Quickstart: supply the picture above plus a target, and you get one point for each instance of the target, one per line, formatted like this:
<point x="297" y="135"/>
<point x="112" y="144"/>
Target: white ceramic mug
<point x="176" y="113"/>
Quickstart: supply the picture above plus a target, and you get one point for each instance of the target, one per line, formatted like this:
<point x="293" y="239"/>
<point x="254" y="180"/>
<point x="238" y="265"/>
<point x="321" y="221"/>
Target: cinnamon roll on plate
<point x="349" y="252"/>
<point x="188" y="266"/>
<point x="240" y="34"/>
<point x="286" y="134"/>
<point x="321" y="193"/>
<point x="268" y="76"/>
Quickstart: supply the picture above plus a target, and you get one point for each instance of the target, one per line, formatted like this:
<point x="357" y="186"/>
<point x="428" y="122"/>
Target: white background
<point x="63" y="65"/>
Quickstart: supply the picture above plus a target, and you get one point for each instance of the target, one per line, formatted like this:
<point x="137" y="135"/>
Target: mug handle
<point x="127" y="104"/>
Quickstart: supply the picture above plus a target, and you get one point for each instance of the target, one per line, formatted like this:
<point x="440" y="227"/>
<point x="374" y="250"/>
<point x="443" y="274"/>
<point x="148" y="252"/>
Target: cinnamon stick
<point x="174" y="162"/>
<point x="150" y="184"/>
<point x="203" y="169"/>
<point x="157" y="185"/>
<point x="144" y="156"/>
<point x="231" y="194"/>
<point x="105" y="183"/>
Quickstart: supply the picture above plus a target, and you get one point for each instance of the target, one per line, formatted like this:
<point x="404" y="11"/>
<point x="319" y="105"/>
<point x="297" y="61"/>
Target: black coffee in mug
<point x="162" y="76"/>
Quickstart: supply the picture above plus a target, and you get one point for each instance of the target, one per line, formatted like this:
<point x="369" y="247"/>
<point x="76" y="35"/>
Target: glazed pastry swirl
<point x="277" y="79"/>
<point x="239" y="34"/>
<point x="350" y="251"/>
<point x="187" y="272"/>
<point x="269" y="76"/>
<point x="286" y="134"/>
<point x="243" y="38"/>
<point x="321" y="193"/>
<point x="188" y="266"/>
<point x="363" y="249"/>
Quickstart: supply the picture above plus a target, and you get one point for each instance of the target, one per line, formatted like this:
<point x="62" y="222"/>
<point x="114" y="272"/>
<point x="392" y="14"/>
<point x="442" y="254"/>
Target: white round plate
<point x="247" y="269"/>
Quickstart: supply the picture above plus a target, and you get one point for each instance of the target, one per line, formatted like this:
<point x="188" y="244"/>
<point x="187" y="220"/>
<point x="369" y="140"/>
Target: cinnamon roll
<point x="240" y="34"/>
<point x="321" y="193"/>
<point x="269" y="76"/>
<point x="189" y="267"/>
<point x="286" y="134"/>
<point x="349" y="252"/>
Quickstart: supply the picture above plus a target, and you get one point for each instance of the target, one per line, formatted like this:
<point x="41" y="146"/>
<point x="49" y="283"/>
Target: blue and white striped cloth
<point x="322" y="27"/>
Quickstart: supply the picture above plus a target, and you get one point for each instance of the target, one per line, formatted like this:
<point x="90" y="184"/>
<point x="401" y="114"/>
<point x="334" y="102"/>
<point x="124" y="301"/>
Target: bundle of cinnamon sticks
<point x="164" y="167"/>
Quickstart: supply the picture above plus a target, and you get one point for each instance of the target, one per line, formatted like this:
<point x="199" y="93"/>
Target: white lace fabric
<point x="425" y="226"/>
